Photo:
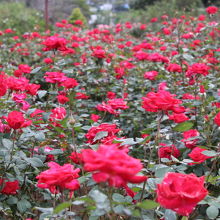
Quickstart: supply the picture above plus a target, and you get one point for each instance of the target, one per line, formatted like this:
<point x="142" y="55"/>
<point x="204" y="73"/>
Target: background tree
<point x="77" y="15"/>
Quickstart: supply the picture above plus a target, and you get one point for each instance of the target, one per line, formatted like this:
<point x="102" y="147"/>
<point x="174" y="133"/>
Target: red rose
<point x="16" y="120"/>
<point x="69" y="83"/>
<point x="162" y="100"/>
<point x="59" y="177"/>
<point x="167" y="151"/>
<point x="151" y="75"/>
<point x="95" y="117"/>
<point x="99" y="53"/>
<point x="217" y="119"/>
<point x="181" y="192"/>
<point x="198" y="68"/>
<point x="173" y="67"/>
<point x="3" y="85"/>
<point x="58" y="113"/>
<point x="54" y="43"/>
<point x="80" y="95"/>
<point x="178" y="118"/>
<point x="190" y="134"/>
<point x="55" y="77"/>
<point x="117" y="104"/>
<point x="111" y="95"/>
<point x="112" y="165"/>
<point x="110" y="129"/>
<point x="9" y="187"/>
<point x="212" y="10"/>
<point x="76" y="157"/>
<point x="32" y="88"/>
<point x="62" y="99"/>
<point x="24" y="68"/>
<point x="197" y="156"/>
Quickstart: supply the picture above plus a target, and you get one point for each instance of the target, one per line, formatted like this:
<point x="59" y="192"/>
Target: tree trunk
<point x="46" y="16"/>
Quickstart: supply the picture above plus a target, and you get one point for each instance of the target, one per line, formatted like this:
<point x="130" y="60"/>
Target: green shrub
<point x="20" y="18"/>
<point x="77" y="15"/>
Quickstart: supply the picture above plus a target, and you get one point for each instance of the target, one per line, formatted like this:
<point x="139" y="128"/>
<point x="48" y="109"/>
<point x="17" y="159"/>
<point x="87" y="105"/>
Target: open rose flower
<point x="181" y="192"/>
<point x="58" y="178"/>
<point x="217" y="119"/>
<point x="16" y="120"/>
<point x="8" y="187"/>
<point x="166" y="151"/>
<point x="112" y="165"/>
<point x="197" y="156"/>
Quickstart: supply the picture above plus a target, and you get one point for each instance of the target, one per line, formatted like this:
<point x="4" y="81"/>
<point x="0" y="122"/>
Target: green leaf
<point x="161" y="171"/>
<point x="100" y="135"/>
<point x="7" y="143"/>
<point x="12" y="200"/>
<point x="40" y="136"/>
<point x="212" y="212"/>
<point x="128" y="141"/>
<point x="118" y="197"/>
<point x="185" y="126"/>
<point x="36" y="69"/>
<point x="210" y="153"/>
<point x="170" y="215"/>
<point x="35" y="162"/>
<point x="61" y="207"/>
<point x="41" y="93"/>
<point x="148" y="204"/>
<point x="23" y="205"/>
<point x="101" y="200"/>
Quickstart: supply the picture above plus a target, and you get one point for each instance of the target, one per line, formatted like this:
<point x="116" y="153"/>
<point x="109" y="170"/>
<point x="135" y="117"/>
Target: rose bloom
<point x="178" y="118"/>
<point x="111" y="130"/>
<point x="118" y="104"/>
<point x="162" y="100"/>
<point x="197" y="156"/>
<point x="198" y="68"/>
<point x="55" y="77"/>
<point x="58" y="178"/>
<point x="173" y="67"/>
<point x="3" y="85"/>
<point x="16" y="120"/>
<point x="112" y="165"/>
<point x="80" y="95"/>
<point x="151" y="75"/>
<point x="111" y="95"/>
<point x="24" y="68"/>
<point x="76" y="157"/>
<point x="48" y="60"/>
<point x="32" y="88"/>
<point x="69" y="83"/>
<point x="95" y="117"/>
<point x="8" y="187"/>
<point x="212" y="10"/>
<point x="54" y="43"/>
<point x="181" y="192"/>
<point x="99" y="53"/>
<point x="166" y="151"/>
<point x="106" y="108"/>
<point x="190" y="134"/>
<point x="58" y="113"/>
<point x="217" y="119"/>
<point x="62" y="99"/>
